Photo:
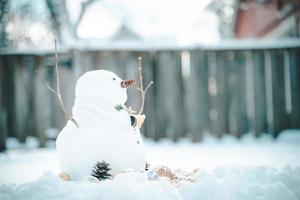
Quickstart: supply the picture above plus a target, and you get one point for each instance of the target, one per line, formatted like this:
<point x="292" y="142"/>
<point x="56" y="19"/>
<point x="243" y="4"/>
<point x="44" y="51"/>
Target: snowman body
<point x="104" y="133"/>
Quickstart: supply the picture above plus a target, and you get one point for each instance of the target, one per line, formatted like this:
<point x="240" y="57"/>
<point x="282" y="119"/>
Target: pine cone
<point x="101" y="171"/>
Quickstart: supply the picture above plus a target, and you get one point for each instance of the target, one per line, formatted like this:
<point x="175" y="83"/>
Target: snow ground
<point x="229" y="169"/>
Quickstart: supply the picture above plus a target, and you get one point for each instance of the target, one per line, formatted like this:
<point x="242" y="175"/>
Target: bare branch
<point x="84" y="7"/>
<point x="60" y="20"/>
<point x="57" y="92"/>
<point x="75" y="122"/>
<point x="130" y="110"/>
<point x="140" y="68"/>
<point x="56" y="69"/>
<point x="141" y="88"/>
<point x="148" y="86"/>
<point x="46" y="83"/>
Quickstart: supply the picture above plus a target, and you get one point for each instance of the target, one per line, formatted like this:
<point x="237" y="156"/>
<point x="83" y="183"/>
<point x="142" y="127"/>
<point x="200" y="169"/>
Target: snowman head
<point x="103" y="86"/>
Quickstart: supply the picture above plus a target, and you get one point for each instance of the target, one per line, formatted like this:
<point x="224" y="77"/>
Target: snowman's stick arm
<point x="148" y="86"/>
<point x="140" y="68"/>
<point x="143" y="94"/>
<point x="141" y="89"/>
<point x="46" y="83"/>
<point x="57" y="92"/>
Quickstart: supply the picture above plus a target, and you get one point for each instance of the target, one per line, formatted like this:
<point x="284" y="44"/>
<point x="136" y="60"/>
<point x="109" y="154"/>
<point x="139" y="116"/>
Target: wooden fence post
<point x="277" y="118"/>
<point x="42" y="101"/>
<point x="3" y="121"/>
<point x="168" y="84"/>
<point x="150" y="111"/>
<point x="260" y="117"/>
<point x="237" y="67"/>
<point x="217" y="87"/>
<point x="196" y="95"/>
<point x="82" y="62"/>
<point x="23" y="84"/>
<point x="113" y="61"/>
<point x="280" y="114"/>
<point x="3" y="130"/>
<point x="295" y="86"/>
<point x="8" y="100"/>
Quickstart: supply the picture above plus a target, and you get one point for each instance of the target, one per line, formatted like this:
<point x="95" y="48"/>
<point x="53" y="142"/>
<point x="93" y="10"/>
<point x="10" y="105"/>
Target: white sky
<point x="182" y="21"/>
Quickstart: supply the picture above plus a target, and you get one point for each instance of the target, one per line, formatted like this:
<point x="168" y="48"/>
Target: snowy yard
<point x="248" y="169"/>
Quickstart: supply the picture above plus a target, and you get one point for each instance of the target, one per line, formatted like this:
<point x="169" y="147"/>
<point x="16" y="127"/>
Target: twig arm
<point x="148" y="86"/>
<point x="46" y="83"/>
<point x="141" y="88"/>
<point x="57" y="92"/>
<point x="140" y="68"/>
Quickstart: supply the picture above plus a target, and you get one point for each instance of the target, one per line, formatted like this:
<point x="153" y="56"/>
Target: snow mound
<point x="227" y="183"/>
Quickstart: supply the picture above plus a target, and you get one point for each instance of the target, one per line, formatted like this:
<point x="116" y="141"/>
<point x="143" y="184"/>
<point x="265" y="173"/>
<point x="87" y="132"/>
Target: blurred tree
<point x="60" y="20"/>
<point x="30" y="23"/>
<point x="225" y="11"/>
<point x="66" y="31"/>
<point x="3" y="20"/>
<point x="26" y="24"/>
<point x="84" y="7"/>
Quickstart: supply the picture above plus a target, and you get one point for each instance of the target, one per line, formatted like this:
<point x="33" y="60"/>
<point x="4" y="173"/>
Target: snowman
<point x="106" y="131"/>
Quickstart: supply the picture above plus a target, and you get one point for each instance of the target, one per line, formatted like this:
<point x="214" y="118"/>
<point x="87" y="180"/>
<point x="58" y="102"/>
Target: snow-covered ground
<point x="229" y="169"/>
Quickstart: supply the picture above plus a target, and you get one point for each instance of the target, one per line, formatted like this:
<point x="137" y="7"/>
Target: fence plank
<point x="3" y="121"/>
<point x="8" y="100"/>
<point x="3" y="130"/>
<point x="42" y="104"/>
<point x="1" y="82"/>
<point x="295" y="87"/>
<point x="217" y="85"/>
<point x="23" y="97"/>
<point x="260" y="117"/>
<point x="82" y="62"/>
<point x="150" y="111"/>
<point x="279" y="118"/>
<point x="170" y="115"/>
<point x="237" y="63"/>
<point x="112" y="61"/>
<point x="196" y="95"/>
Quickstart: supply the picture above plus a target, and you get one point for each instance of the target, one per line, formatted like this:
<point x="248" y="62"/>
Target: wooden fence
<point x="215" y="89"/>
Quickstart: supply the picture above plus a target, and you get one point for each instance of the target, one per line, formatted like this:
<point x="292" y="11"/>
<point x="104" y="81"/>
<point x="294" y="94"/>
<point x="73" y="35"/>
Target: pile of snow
<point x="227" y="183"/>
<point x="249" y="168"/>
